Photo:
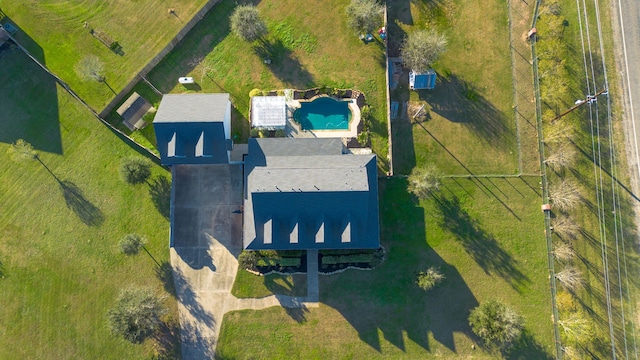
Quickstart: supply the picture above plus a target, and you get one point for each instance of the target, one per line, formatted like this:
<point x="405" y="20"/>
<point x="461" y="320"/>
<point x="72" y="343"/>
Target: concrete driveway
<point x="207" y="238"/>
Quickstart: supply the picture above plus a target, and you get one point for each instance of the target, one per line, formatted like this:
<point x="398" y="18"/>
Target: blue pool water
<point x="323" y="113"/>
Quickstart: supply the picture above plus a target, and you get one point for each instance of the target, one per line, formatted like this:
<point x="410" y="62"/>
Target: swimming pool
<point x="323" y="113"/>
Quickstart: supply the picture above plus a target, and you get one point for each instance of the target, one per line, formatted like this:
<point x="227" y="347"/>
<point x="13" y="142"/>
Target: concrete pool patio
<point x="205" y="242"/>
<point x="295" y="129"/>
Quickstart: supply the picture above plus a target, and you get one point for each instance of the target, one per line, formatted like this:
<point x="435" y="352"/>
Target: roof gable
<point x="180" y="108"/>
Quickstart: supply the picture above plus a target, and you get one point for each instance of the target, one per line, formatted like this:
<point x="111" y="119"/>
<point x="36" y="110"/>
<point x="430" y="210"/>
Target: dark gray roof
<point x="192" y="108"/>
<point x="306" y="194"/>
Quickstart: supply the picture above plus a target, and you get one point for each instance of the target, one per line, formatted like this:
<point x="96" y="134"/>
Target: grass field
<point x="62" y="218"/>
<point x="54" y="32"/>
<point x="487" y="238"/>
<point x="308" y="48"/>
<point x="248" y="285"/>
<point x="469" y="126"/>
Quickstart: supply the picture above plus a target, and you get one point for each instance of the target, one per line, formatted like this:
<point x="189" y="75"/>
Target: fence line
<point x="545" y="188"/>
<point x="388" y="90"/>
<point x="156" y="59"/>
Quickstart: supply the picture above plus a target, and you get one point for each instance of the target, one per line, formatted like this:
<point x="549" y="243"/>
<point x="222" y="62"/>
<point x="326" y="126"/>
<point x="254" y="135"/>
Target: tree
<point x="496" y="324"/>
<point x="130" y="244"/>
<point x="570" y="278"/>
<point x="364" y="16"/>
<point x="22" y="150"/>
<point x="565" y="227"/>
<point x="135" y="170"/>
<point x="429" y="279"/>
<point x="248" y="259"/>
<point x="563" y="156"/>
<point x="136" y="314"/>
<point x="558" y="131"/>
<point x="421" y="48"/>
<point x="90" y="68"/>
<point x="564" y="196"/>
<point x="247" y="24"/>
<point x="423" y="181"/>
<point x="577" y="329"/>
<point x="564" y="252"/>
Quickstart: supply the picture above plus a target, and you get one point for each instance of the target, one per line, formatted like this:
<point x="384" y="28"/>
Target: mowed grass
<point x="248" y="285"/>
<point x="469" y="126"/>
<point x="487" y="238"/>
<point x="54" y="32"/>
<point x="62" y="218"/>
<point x="307" y="47"/>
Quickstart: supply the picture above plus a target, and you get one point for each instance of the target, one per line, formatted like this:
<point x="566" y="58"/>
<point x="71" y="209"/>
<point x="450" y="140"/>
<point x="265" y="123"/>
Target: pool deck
<point x="296" y="130"/>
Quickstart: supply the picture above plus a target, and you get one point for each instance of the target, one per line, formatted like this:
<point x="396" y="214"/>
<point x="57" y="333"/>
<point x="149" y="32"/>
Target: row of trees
<point x="576" y="327"/>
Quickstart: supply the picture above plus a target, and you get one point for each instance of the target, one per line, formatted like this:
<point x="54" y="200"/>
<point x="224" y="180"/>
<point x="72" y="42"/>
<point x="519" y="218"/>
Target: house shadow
<point x="478" y="243"/>
<point x="86" y="211"/>
<point x="458" y="101"/>
<point x="29" y="95"/>
<point x="282" y="63"/>
<point x="386" y="300"/>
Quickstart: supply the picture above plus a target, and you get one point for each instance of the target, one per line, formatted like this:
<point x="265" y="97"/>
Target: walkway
<point x="206" y="240"/>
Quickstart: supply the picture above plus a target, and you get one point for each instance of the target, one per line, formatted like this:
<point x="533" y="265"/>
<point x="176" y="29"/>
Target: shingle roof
<point x="306" y="194"/>
<point x="192" y="108"/>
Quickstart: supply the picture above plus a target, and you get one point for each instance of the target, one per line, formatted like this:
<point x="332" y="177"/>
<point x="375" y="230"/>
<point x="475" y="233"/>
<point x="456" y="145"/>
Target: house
<point x="194" y="129"/>
<point x="268" y="112"/>
<point x="422" y="80"/>
<point x="307" y="194"/>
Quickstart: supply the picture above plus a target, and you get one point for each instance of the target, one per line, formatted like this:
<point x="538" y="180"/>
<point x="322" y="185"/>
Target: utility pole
<point x="589" y="100"/>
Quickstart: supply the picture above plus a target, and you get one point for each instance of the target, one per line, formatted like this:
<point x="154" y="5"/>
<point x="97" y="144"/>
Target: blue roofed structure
<point x="425" y="80"/>
<point x="194" y="129"/>
<point x="307" y="194"/>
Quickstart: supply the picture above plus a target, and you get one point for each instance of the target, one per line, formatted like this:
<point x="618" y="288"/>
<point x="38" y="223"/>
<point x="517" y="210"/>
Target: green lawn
<point x="487" y="238"/>
<point x="469" y="127"/>
<point x="62" y="218"/>
<point x="53" y="32"/>
<point x="308" y="48"/>
<point x="248" y="285"/>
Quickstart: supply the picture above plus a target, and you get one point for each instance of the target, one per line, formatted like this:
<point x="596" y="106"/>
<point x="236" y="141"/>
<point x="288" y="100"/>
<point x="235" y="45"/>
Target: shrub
<point x="136" y="314"/>
<point x="255" y="92"/>
<point x="254" y="132"/>
<point x="496" y="324"/>
<point x="247" y="259"/>
<point x="247" y="24"/>
<point x="130" y="244"/>
<point x="429" y="279"/>
<point x="280" y="133"/>
<point x="135" y="170"/>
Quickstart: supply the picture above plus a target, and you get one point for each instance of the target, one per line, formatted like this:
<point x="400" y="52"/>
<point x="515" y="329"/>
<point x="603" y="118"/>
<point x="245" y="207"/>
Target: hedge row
<point x="282" y="262"/>
<point x="347" y="259"/>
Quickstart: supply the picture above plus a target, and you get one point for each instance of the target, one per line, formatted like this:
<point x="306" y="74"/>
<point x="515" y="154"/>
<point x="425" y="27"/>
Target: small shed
<point x="423" y="80"/>
<point x="268" y="112"/>
<point x="133" y="110"/>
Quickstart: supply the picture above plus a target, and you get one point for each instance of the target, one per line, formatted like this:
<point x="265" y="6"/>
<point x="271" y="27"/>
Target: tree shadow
<point x="526" y="348"/>
<point x="164" y="273"/>
<point x="168" y="341"/>
<point x="160" y="192"/>
<point x="458" y="101"/>
<point x="188" y="298"/>
<point x="282" y="63"/>
<point x="479" y="244"/>
<point x="367" y="298"/>
<point x="29" y="101"/>
<point x="87" y="212"/>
